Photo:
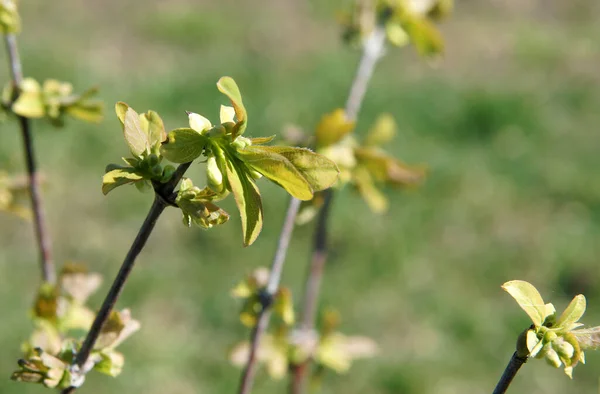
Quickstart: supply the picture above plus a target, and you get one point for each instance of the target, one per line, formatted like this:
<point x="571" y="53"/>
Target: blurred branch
<point x="162" y="199"/>
<point x="41" y="230"/>
<point x="509" y="374"/>
<point x="372" y="52"/>
<point x="267" y="296"/>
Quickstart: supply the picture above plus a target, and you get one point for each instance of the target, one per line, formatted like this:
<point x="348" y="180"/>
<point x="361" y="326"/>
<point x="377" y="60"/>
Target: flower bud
<point x="168" y="172"/>
<point x="215" y="177"/>
<point x="564" y="349"/>
<point x="255" y="174"/>
<point x="242" y="142"/>
<point x="153" y="159"/>
<point x="157" y="170"/>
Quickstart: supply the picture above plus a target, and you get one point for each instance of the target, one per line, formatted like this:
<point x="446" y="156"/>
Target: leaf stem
<point x="249" y="372"/>
<point x="373" y="50"/>
<point x="509" y="374"/>
<point x="161" y="201"/>
<point x="33" y="179"/>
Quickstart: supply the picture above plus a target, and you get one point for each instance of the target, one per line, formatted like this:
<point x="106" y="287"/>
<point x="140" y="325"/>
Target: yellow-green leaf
<point x="261" y="140"/>
<point x="529" y="299"/>
<point x="183" y="145"/>
<point x="278" y="169"/>
<point x="366" y="187"/>
<point x="332" y="128"/>
<point x="121" y="109"/>
<point x="30" y="102"/>
<point x="569" y="318"/>
<point x="119" y="177"/>
<point x="588" y="338"/>
<point x="423" y="34"/>
<point x="385" y="168"/>
<point x="383" y="130"/>
<point x="89" y="111"/>
<point x="156" y="128"/>
<point x="228" y="87"/>
<point x="136" y="137"/>
<point x="247" y="198"/>
<point x="319" y="171"/>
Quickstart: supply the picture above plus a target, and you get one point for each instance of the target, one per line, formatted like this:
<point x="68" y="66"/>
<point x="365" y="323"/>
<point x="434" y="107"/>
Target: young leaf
<point x="136" y="137"/>
<point x="569" y="318"/>
<point x="333" y="127"/>
<point x="366" y="187"/>
<point x="247" y="198"/>
<point x="183" y="145"/>
<point x="119" y="177"/>
<point x="156" y="128"/>
<point x="529" y="299"/>
<point x="588" y="338"/>
<point x="318" y="170"/>
<point x="423" y="34"/>
<point x="278" y="169"/>
<point x="382" y="131"/>
<point x="121" y="109"/>
<point x="228" y="87"/>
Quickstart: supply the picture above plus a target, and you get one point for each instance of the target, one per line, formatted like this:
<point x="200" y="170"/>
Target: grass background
<point x="507" y="123"/>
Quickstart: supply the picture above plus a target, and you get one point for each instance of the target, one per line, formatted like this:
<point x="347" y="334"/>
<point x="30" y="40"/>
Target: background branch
<point x="249" y="372"/>
<point x="372" y="52"/>
<point x="39" y="216"/>
<point x="161" y="201"/>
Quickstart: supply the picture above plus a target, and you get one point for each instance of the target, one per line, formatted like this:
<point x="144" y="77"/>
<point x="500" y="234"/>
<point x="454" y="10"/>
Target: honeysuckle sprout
<point x="53" y="100"/>
<point x="557" y="339"/>
<point x="251" y="291"/>
<point x="363" y="164"/>
<point x="405" y="22"/>
<point x="10" y="21"/>
<point x="12" y="191"/>
<point x="234" y="162"/>
<point x="59" y="313"/>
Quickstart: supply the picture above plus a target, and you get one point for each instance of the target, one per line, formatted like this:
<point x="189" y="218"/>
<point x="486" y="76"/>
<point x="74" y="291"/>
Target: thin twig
<point x="509" y="374"/>
<point x="372" y="52"/>
<point x="41" y="230"/>
<point x="161" y="201"/>
<point x="267" y="297"/>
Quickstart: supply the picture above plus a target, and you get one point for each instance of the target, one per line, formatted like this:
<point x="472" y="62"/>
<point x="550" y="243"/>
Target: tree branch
<point x="372" y="52"/>
<point x="509" y="374"/>
<point x="39" y="216"/>
<point x="267" y="298"/>
<point x="161" y="201"/>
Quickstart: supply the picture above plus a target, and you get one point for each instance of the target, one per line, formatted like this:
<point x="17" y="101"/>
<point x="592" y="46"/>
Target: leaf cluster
<point x="60" y="316"/>
<point x="405" y="22"/>
<point x="556" y="339"/>
<point x="53" y="100"/>
<point x="233" y="163"/>
<point x="10" y="21"/>
<point x="363" y="164"/>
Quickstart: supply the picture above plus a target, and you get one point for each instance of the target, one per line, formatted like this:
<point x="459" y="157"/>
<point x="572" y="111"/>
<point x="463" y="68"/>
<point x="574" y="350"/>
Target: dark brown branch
<point x="41" y="230"/>
<point x="247" y="378"/>
<point x="509" y="374"/>
<point x="163" y="193"/>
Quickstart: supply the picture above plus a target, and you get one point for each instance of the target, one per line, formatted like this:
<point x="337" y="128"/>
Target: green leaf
<point x="529" y="299"/>
<point x="261" y="140"/>
<point x="89" y="111"/>
<point x="423" y="34"/>
<point x="569" y="318"/>
<point x="119" y="177"/>
<point x="136" y="137"/>
<point x="278" y="169"/>
<point x="247" y="198"/>
<point x="228" y="87"/>
<point x="333" y="127"/>
<point x="383" y="130"/>
<point x="366" y="187"/>
<point x="319" y="171"/>
<point x="156" y="128"/>
<point x="30" y="102"/>
<point x="588" y="338"/>
<point x="385" y="168"/>
<point x="121" y="109"/>
<point x="183" y="145"/>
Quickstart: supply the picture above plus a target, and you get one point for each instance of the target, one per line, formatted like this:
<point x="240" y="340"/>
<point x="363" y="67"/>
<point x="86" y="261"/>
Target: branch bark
<point x="509" y="374"/>
<point x="33" y="179"/>
<point x="162" y="199"/>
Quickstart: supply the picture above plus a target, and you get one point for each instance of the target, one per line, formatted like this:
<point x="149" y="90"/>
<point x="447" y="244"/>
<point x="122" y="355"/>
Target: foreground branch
<point x="267" y="297"/>
<point x="509" y="374"/>
<point x="41" y="230"/>
<point x="372" y="52"/>
<point x="163" y="198"/>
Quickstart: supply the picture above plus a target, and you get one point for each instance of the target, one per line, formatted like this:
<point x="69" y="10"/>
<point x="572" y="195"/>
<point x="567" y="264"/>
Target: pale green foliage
<point x="10" y="21"/>
<point x="233" y="163"/>
<point x="53" y="100"/>
<point x="405" y="22"/>
<point x="556" y="340"/>
<point x="12" y="190"/>
<point x="362" y="164"/>
<point x="59" y="313"/>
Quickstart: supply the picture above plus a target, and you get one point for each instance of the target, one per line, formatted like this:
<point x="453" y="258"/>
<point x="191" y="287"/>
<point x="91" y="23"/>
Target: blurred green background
<point x="507" y="123"/>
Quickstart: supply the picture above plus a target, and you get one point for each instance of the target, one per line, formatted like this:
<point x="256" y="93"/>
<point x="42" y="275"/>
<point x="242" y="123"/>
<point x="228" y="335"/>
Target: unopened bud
<point x="168" y="172"/>
<point x="241" y="142"/>
<point x="255" y="174"/>
<point x="215" y="177"/>
<point x="153" y="159"/>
